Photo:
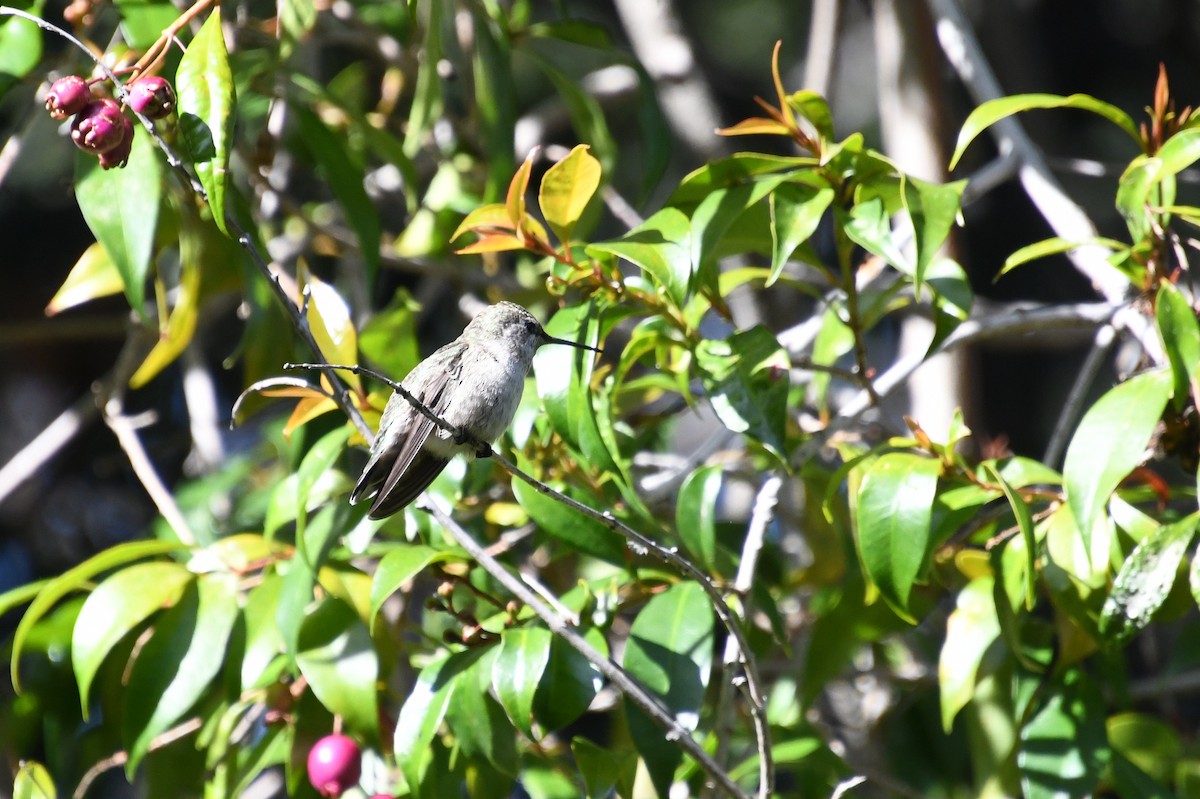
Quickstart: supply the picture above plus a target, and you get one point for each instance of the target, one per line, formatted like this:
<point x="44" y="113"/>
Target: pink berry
<point x="119" y="155"/>
<point x="152" y="96"/>
<point x="68" y="96"/>
<point x="334" y="765"/>
<point x="99" y="127"/>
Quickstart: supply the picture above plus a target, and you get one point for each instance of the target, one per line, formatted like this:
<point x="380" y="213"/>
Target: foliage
<point x="219" y="650"/>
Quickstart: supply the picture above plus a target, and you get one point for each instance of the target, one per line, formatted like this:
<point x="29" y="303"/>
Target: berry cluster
<point x="100" y="126"/>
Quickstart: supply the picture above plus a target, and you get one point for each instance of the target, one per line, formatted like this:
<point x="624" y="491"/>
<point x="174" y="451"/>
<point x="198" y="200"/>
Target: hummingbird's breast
<point x="489" y="391"/>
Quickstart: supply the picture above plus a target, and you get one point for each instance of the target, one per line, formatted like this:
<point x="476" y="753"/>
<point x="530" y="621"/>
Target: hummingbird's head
<point x="520" y="330"/>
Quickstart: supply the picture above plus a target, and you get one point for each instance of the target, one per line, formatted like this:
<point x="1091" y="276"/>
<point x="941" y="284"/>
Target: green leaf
<point x="20" y="46"/>
<point x="604" y="769"/>
<point x="1146" y="578"/>
<point x="121" y="207"/>
<point x="584" y="110"/>
<point x="1180" y="333"/>
<point x="424" y="709"/>
<point x="796" y="211"/>
<point x="1052" y="246"/>
<point x="566" y="189"/>
<point x="569" y="682"/>
<point x="1149" y="744"/>
<point x="389" y="338"/>
<point x="181" y="325"/>
<point x="933" y="209"/>
<point x="746" y="376"/>
<point x="735" y="170"/>
<point x="670" y="651"/>
<point x="117" y="606"/>
<point x="893" y="515"/>
<point x="345" y="177"/>
<point x="662" y="247"/>
<point x="77" y="579"/>
<point x="397" y="567"/>
<point x="337" y="657"/>
<point x="296" y="18"/>
<point x="993" y="111"/>
<point x="176" y="665"/>
<point x="578" y="531"/>
<point x="264" y="639"/>
<point x="1109" y="444"/>
<point x="204" y="86"/>
<point x="481" y="729"/>
<point x="33" y="781"/>
<point x="695" y="514"/>
<point x="524" y="653"/>
<point x="1064" y="748"/>
<point x="971" y="630"/>
<point x="870" y="227"/>
<point x="1025" y="523"/>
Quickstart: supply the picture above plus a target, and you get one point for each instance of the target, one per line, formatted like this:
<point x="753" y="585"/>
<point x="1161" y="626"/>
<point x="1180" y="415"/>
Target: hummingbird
<point x="474" y="384"/>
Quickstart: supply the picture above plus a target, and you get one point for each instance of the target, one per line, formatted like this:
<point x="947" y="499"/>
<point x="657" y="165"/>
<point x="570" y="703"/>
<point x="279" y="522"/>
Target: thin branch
<point x="46" y="444"/>
<point x="118" y="759"/>
<point x="647" y="702"/>
<point x="1102" y="344"/>
<point x="760" y="519"/>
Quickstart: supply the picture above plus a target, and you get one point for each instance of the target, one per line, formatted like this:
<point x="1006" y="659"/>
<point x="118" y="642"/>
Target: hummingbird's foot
<point x="484" y="450"/>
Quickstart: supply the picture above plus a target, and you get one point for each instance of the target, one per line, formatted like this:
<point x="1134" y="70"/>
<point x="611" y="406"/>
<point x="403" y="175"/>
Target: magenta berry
<point x="99" y="127"/>
<point x="119" y="155"/>
<point x="334" y="765"/>
<point x="68" y="96"/>
<point x="152" y="96"/>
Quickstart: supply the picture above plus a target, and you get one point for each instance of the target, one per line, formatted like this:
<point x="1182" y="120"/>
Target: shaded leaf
<point x="517" y="671"/>
<point x="181" y="324"/>
<point x="20" y="46"/>
<point x="569" y="682"/>
<point x="1025" y="524"/>
<point x="397" y="567"/>
<point x="746" y="376"/>
<point x="424" y="709"/>
<point x="796" y="211"/>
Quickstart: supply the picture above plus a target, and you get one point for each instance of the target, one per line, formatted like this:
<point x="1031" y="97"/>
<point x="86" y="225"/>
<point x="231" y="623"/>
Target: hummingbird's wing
<point x="401" y="467"/>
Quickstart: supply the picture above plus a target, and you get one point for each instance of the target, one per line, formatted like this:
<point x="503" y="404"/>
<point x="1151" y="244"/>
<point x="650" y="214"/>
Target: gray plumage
<point x="474" y="383"/>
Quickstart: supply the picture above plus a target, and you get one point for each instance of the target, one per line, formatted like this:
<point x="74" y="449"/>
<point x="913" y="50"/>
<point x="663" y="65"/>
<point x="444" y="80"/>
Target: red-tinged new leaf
<point x="514" y="204"/>
<point x="755" y="126"/>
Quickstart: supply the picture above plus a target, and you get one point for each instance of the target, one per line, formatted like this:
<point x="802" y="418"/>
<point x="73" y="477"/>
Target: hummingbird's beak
<point x="569" y="343"/>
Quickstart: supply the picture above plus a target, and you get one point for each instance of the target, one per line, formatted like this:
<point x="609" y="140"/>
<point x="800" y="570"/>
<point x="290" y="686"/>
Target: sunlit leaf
<point x="121" y="207"/>
<point x="670" y="650"/>
<point x="117" y="606"/>
<point x="1176" y="322"/>
<point x="971" y="630"/>
<point x="695" y="514"/>
<point x="992" y="111"/>
<point x="1064" y="746"/>
<point x="566" y="189"/>
<point x="796" y="211"/>
<point x="1110" y="442"/>
<point x="662" y="247"/>
<point x="1146" y="578"/>
<point x="337" y="657"/>
<point x="94" y="275"/>
<point x="894" y="512"/>
<point x="332" y="326"/>
<point x="204" y="86"/>
<point x="33" y="782"/>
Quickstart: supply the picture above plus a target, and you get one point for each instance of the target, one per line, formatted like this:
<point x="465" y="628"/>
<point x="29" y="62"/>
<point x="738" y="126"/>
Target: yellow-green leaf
<point x="566" y="189"/>
<point x="94" y="275"/>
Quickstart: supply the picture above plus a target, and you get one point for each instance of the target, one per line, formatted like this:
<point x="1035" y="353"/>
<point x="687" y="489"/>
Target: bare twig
<point x="46" y="444"/>
<point x="119" y="759"/>
<point x="558" y="625"/>
<point x="1102" y="344"/>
